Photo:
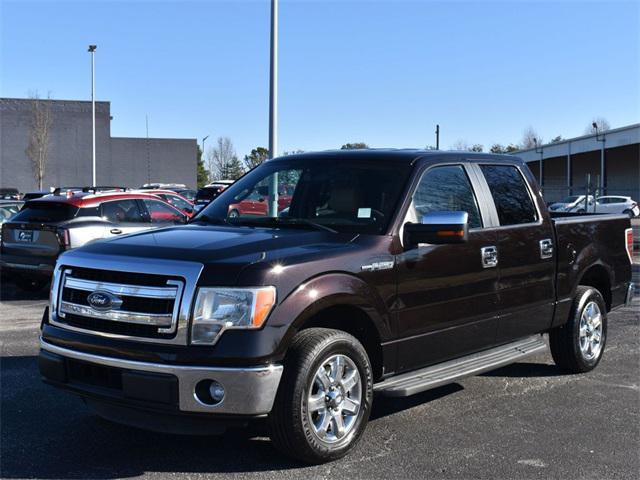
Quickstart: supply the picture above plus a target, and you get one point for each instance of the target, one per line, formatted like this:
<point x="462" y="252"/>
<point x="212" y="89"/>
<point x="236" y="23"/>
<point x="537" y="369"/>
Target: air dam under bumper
<point x="248" y="391"/>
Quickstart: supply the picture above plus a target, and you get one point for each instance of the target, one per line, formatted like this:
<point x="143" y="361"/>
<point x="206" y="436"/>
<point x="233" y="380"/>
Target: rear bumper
<point x="248" y="391"/>
<point x="28" y="265"/>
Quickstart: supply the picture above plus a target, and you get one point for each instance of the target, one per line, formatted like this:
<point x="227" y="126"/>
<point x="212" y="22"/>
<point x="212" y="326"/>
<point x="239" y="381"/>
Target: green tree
<point x="557" y="139"/>
<point x="511" y="148"/>
<point x="354" y="146"/>
<point x="202" y="175"/>
<point x="476" y="148"/>
<point x="255" y="158"/>
<point x="497" y="148"/>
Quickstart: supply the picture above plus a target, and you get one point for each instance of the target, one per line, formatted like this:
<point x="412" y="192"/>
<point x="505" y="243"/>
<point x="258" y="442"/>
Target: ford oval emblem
<point x="103" y="301"/>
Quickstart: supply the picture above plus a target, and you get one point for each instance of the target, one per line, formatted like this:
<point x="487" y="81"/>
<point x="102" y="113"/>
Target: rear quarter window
<point x="46" y="212"/>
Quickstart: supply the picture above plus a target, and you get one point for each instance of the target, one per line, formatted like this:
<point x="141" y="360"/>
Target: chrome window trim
<point x="189" y="271"/>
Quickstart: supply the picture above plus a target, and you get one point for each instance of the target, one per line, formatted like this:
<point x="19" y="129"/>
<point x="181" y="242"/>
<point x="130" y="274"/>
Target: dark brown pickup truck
<point x="390" y="272"/>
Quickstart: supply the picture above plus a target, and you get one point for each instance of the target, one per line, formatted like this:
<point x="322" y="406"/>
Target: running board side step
<point x="434" y="376"/>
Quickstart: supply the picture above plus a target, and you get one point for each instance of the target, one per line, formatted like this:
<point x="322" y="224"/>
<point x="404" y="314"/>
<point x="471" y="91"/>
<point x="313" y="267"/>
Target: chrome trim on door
<point x="546" y="248"/>
<point x="489" y="256"/>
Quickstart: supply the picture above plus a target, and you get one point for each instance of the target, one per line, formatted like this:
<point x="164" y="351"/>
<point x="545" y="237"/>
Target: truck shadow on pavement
<point x="50" y="434"/>
<point x="10" y="292"/>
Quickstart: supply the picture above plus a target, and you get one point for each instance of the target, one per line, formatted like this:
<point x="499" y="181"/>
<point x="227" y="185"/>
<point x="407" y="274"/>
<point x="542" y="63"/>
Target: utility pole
<point x="92" y="51"/>
<point x="437" y="137"/>
<point x="273" y="108"/>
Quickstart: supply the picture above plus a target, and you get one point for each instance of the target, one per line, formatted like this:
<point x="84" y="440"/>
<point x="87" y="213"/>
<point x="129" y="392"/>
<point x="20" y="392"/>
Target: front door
<point x="447" y="297"/>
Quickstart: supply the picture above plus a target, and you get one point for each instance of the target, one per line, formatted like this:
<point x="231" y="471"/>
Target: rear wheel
<point x="324" y="400"/>
<point x="233" y="214"/>
<point x="629" y="212"/>
<point x="578" y="345"/>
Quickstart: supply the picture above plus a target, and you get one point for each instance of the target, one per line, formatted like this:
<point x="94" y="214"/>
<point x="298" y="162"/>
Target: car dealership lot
<point x="526" y="420"/>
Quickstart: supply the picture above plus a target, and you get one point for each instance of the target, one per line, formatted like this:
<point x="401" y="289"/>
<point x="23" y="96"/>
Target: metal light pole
<point x="437" y="137"/>
<point x="602" y="182"/>
<point x="273" y="108"/>
<point x="541" y="170"/>
<point x="92" y="51"/>
<point x="204" y="140"/>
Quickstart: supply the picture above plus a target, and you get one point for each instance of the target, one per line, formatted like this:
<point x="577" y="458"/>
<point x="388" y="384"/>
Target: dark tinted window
<point x="208" y="193"/>
<point x="510" y="194"/>
<point x="45" y="212"/>
<point x="446" y="189"/>
<point x="122" y="211"/>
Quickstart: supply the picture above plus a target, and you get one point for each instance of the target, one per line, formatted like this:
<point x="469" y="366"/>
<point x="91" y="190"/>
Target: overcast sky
<point x="382" y="72"/>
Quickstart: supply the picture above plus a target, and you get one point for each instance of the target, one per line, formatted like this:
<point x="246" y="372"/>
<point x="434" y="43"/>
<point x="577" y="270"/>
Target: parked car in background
<point x="33" y="195"/>
<point x="9" y="194"/>
<point x="175" y="199"/>
<point x="209" y="192"/>
<point x="34" y="238"/>
<point x="617" y="204"/>
<point x="179" y="188"/>
<point x="255" y="202"/>
<point x="8" y="208"/>
<point x="574" y="204"/>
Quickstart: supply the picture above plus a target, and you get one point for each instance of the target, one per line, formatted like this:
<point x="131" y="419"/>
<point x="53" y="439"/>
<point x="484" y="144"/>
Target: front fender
<point x="326" y="291"/>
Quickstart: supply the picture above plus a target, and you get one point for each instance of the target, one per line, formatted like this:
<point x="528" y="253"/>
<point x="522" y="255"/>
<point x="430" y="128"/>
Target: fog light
<point x="216" y="390"/>
<point x="209" y="392"/>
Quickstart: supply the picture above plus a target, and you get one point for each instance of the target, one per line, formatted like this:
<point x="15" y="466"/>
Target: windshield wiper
<point x="306" y="221"/>
<point x="281" y="222"/>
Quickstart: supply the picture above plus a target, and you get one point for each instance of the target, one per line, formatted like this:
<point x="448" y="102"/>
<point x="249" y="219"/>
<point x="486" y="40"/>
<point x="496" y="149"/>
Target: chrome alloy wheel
<point x="333" y="399"/>
<point x="591" y="332"/>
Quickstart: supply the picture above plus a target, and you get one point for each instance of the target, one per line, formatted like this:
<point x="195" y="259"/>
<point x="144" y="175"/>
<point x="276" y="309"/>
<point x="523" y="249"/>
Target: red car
<point x="256" y="204"/>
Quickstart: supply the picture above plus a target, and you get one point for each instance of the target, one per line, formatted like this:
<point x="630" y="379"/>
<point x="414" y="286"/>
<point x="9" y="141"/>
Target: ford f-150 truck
<point x="390" y="272"/>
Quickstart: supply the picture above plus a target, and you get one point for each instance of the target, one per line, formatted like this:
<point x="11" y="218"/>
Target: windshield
<point x="346" y="196"/>
<point x="571" y="199"/>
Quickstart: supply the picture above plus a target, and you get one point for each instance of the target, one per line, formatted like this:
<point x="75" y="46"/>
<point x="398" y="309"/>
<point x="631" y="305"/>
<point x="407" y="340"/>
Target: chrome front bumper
<point x="248" y="391"/>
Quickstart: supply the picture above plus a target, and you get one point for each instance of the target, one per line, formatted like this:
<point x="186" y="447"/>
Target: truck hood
<point x="220" y="244"/>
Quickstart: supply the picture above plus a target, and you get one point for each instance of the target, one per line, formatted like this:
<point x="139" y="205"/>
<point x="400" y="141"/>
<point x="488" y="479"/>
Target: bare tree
<point x="529" y="138"/>
<point x="460" y="145"/>
<point x="601" y="123"/>
<point x="39" y="141"/>
<point x="223" y="162"/>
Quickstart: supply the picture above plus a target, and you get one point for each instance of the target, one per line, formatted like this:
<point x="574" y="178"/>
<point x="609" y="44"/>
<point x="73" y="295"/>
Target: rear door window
<point x="510" y="194"/>
<point x="122" y="211"/>
<point x="46" y="212"/>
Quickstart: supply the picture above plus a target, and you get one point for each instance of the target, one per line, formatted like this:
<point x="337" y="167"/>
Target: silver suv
<point x="44" y="228"/>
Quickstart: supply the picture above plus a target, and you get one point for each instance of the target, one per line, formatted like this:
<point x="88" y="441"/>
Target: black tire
<point x="33" y="285"/>
<point x="233" y="214"/>
<point x="293" y="430"/>
<point x="629" y="212"/>
<point x="565" y="342"/>
<point x="580" y="210"/>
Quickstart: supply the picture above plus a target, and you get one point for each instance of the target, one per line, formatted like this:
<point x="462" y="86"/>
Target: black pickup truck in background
<point x="391" y="271"/>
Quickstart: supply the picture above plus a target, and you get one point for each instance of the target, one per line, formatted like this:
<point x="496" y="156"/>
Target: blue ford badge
<point x="103" y="301"/>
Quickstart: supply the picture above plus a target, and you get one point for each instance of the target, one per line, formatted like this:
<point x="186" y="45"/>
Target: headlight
<point x="218" y="309"/>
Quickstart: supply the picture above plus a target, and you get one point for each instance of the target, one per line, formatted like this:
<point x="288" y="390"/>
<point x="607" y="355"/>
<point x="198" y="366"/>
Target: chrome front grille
<point x="147" y="311"/>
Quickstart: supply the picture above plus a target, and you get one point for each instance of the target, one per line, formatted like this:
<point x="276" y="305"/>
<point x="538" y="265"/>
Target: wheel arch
<point x="598" y="277"/>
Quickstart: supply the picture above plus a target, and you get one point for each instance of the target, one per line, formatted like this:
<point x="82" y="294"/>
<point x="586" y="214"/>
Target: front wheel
<point x="578" y="345"/>
<point x="324" y="400"/>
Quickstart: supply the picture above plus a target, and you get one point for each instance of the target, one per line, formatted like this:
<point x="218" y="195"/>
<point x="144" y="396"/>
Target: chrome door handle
<point x="489" y="257"/>
<point x="116" y="231"/>
<point x="546" y="248"/>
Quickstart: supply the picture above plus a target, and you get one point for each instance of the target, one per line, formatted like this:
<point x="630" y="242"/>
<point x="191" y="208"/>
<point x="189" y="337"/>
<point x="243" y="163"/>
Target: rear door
<point x="526" y="260"/>
<point x="124" y="216"/>
<point x="447" y="296"/>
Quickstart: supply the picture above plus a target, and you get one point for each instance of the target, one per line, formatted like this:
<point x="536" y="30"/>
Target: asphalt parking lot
<point x="527" y="420"/>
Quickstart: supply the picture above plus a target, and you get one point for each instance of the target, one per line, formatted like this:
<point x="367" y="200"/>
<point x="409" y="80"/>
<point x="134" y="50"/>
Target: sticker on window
<point x="364" y="213"/>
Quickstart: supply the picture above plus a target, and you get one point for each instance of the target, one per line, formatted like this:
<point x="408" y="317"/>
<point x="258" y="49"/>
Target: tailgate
<point x="31" y="240"/>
